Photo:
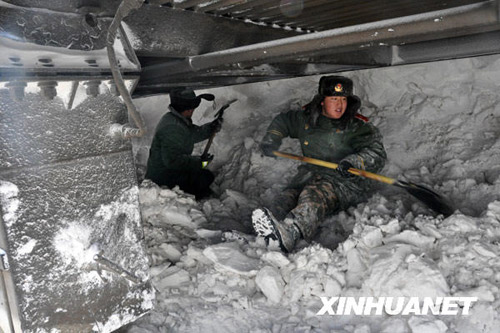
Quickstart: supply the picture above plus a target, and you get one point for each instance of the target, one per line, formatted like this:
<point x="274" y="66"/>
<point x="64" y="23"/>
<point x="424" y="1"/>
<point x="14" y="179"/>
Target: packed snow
<point x="441" y="123"/>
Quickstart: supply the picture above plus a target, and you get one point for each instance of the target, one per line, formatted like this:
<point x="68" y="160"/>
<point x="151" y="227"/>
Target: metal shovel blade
<point x="433" y="200"/>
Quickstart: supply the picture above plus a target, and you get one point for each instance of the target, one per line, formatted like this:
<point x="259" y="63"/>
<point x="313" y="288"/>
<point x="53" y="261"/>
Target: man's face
<point x="334" y="106"/>
<point x="188" y="113"/>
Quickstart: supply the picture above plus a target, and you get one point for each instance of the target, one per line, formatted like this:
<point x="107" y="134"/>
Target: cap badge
<point x="339" y="87"/>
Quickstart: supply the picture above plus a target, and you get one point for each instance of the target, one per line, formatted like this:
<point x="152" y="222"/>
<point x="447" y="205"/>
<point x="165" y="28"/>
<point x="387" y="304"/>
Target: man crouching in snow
<point x="170" y="162"/>
<point x="329" y="128"/>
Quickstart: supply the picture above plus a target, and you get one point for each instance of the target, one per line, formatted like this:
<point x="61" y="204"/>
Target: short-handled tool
<point x="219" y="114"/>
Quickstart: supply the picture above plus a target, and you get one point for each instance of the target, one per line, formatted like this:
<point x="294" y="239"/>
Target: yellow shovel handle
<point x="332" y="165"/>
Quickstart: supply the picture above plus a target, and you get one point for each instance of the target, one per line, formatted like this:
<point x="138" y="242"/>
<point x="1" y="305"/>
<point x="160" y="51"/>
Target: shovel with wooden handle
<point x="433" y="200"/>
<point x="219" y="114"/>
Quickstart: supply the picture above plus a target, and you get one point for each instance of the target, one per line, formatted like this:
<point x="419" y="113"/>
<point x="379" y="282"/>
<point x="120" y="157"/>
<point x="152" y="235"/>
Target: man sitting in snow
<point x="170" y="162"/>
<point x="329" y="128"/>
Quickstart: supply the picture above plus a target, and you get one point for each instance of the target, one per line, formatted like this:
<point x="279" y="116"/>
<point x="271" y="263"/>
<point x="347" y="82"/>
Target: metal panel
<point x="35" y="47"/>
<point x="100" y="8"/>
<point x="318" y="15"/>
<point x="451" y="48"/>
<point x="439" y="24"/>
<point x="68" y="193"/>
<point x="10" y="320"/>
<point x="166" y="32"/>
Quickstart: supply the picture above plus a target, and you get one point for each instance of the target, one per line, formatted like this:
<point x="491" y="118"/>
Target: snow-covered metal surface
<point x="68" y="192"/>
<point x="41" y="44"/>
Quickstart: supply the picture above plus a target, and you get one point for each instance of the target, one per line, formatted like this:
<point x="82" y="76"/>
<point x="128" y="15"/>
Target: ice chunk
<point x="399" y="270"/>
<point x="429" y="229"/>
<point x="208" y="234"/>
<point x="9" y="202"/>
<point x="391" y="228"/>
<point x="271" y="283"/>
<point x="356" y="268"/>
<point x="371" y="237"/>
<point x="175" y="217"/>
<point x="148" y="194"/>
<point x="276" y="259"/>
<point x="332" y="288"/>
<point x="483" y="293"/>
<point x="411" y="237"/>
<point x="228" y="257"/>
<point x="392" y="325"/>
<point x="494" y="210"/>
<point x="426" y="325"/>
<point x="170" y="252"/>
<point x="484" y="250"/>
<point x="172" y="277"/>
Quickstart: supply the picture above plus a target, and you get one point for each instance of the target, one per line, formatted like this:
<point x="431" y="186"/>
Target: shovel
<point x="433" y="200"/>
<point x="219" y="114"/>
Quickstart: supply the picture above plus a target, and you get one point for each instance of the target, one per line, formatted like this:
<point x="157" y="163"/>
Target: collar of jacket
<point x="178" y="115"/>
<point x="325" y="122"/>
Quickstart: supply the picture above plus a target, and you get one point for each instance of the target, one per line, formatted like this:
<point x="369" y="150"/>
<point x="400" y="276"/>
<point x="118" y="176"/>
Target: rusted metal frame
<point x="370" y="15"/>
<point x="188" y="4"/>
<point x="353" y="13"/>
<point x="261" y="7"/>
<point x="115" y="268"/>
<point x="192" y="33"/>
<point x="481" y="44"/>
<point x="319" y="7"/>
<point x="405" y="29"/>
<point x="277" y="11"/>
<point x="11" y="301"/>
<point x="272" y="71"/>
<point x="339" y="11"/>
<point x="217" y="6"/>
<point x="237" y="11"/>
<point x="343" y="10"/>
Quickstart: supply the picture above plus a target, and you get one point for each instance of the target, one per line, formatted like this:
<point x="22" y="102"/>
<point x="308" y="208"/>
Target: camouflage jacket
<point x="355" y="140"/>
<point x="173" y="144"/>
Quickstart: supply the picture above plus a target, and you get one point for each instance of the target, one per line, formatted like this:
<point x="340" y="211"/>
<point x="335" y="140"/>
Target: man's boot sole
<point x="264" y="226"/>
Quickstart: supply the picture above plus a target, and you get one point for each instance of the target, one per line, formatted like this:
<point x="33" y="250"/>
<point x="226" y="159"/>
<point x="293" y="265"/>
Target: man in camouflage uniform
<point x="170" y="161"/>
<point x="329" y="128"/>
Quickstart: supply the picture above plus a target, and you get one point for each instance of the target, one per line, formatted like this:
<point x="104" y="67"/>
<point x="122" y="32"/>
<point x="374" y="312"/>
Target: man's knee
<point x="206" y="178"/>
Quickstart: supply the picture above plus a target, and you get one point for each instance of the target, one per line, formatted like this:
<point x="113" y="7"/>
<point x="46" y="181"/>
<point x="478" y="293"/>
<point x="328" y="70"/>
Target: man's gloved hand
<point x="267" y="149"/>
<point x="343" y="169"/>
<point x="216" y="125"/>
<point x="206" y="159"/>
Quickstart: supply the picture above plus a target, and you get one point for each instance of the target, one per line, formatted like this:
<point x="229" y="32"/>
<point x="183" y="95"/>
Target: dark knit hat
<point x="335" y="86"/>
<point x="185" y="99"/>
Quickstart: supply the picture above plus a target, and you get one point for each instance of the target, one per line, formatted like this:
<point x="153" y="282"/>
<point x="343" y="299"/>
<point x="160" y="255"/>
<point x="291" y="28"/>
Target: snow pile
<point x="74" y="244"/>
<point x="443" y="134"/>
<point x="226" y="281"/>
<point x="9" y="203"/>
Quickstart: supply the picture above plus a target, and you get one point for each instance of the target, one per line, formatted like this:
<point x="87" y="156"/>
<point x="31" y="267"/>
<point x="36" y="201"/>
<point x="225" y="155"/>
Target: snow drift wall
<point x="441" y="126"/>
<point x="440" y="122"/>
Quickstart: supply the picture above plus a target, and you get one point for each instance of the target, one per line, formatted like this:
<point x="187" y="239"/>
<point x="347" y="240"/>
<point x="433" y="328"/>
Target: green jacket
<point x="355" y="140"/>
<point x="173" y="145"/>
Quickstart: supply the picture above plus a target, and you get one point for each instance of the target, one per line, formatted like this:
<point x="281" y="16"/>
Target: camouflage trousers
<point x="307" y="206"/>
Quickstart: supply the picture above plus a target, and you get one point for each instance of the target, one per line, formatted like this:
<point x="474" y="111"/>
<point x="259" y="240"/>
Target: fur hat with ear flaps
<point x="333" y="86"/>
<point x="185" y="99"/>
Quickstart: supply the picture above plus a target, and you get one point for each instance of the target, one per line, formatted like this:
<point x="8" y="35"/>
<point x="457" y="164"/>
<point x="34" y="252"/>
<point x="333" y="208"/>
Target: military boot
<point x="267" y="226"/>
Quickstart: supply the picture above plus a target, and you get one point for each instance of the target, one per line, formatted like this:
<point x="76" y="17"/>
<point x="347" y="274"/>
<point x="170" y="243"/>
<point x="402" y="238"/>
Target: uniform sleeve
<point x="369" y="150"/>
<point x="173" y="140"/>
<point x="283" y="125"/>
<point x="200" y="133"/>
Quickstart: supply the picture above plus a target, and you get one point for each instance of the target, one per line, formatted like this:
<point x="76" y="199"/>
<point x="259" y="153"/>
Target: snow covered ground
<point x="441" y="124"/>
